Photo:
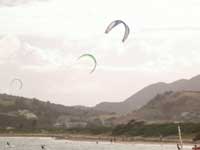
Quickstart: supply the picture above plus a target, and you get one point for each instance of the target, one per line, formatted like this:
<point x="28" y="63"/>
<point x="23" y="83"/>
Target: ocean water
<point x="34" y="143"/>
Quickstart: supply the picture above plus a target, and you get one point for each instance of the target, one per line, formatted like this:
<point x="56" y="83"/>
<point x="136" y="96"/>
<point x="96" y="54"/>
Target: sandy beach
<point x="81" y="137"/>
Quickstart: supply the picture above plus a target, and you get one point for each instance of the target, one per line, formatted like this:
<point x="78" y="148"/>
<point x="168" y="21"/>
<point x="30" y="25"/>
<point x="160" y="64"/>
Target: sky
<point x="40" y="41"/>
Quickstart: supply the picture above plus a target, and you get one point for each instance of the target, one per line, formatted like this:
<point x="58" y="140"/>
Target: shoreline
<point x="105" y="138"/>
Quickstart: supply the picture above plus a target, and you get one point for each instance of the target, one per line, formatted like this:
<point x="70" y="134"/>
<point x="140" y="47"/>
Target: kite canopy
<point x="17" y="81"/>
<point x="114" y="24"/>
<point x="91" y="57"/>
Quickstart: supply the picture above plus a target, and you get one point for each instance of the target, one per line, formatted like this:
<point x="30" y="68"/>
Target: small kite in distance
<point x="17" y="82"/>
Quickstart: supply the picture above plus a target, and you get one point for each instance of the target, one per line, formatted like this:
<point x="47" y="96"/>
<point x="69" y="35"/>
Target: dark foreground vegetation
<point x="134" y="128"/>
<point x="146" y="130"/>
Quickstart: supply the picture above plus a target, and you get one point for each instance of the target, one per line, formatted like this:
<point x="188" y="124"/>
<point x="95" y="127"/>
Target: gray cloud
<point x="11" y="3"/>
<point x="178" y="28"/>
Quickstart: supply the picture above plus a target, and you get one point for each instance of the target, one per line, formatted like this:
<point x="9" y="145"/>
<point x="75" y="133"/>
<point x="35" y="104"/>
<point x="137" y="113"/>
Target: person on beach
<point x="195" y="147"/>
<point x="114" y="140"/>
<point x="42" y="146"/>
<point x="111" y="140"/>
<point x="178" y="147"/>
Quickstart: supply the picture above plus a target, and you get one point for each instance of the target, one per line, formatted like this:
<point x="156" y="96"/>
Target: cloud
<point x="27" y="53"/>
<point x="8" y="46"/>
<point x="11" y="3"/>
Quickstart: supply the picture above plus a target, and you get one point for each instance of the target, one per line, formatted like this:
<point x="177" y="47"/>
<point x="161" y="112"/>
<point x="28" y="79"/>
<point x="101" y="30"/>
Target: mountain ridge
<point x="181" y="106"/>
<point x="144" y="95"/>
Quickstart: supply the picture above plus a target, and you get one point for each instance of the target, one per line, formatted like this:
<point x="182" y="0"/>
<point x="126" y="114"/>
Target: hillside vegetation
<point x="24" y="113"/>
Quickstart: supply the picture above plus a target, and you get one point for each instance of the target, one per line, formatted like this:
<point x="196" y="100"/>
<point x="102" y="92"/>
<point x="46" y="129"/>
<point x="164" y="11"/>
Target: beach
<point x="35" y="143"/>
<point x="105" y="138"/>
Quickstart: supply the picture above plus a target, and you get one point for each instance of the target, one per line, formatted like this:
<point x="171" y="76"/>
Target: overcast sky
<point x="40" y="41"/>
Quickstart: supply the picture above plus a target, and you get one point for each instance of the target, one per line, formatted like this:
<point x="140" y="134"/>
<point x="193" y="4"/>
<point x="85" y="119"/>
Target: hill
<point x="168" y="107"/>
<point x="24" y="113"/>
<point x="143" y="96"/>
